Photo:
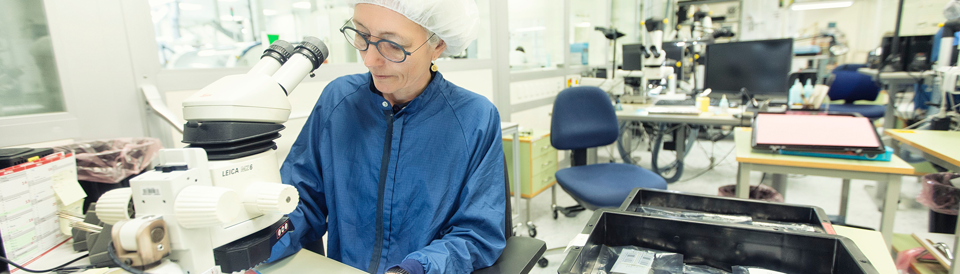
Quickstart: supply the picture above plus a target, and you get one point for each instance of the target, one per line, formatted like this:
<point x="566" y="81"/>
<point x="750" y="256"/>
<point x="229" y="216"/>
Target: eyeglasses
<point x="390" y="50"/>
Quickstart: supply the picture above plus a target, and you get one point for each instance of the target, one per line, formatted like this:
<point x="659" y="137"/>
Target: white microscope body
<point x="656" y="72"/>
<point x="217" y="205"/>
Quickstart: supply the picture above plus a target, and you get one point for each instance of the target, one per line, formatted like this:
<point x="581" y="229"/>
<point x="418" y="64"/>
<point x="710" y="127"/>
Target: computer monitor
<point x="761" y="66"/>
<point x="632" y="56"/>
<point x="674" y="51"/>
<point x="675" y="54"/>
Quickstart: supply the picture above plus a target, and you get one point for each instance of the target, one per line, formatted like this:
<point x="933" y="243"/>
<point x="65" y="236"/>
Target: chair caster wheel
<point x="533" y="232"/>
<point x="543" y="262"/>
<point x="555" y="214"/>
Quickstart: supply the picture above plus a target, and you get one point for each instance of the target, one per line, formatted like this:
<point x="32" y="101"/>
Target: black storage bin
<point x="14" y="156"/>
<point x="718" y="245"/>
<point x="758" y="210"/>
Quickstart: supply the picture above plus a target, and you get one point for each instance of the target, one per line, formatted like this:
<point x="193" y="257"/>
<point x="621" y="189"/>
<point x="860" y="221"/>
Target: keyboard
<point x="674" y="110"/>
<point x="685" y="102"/>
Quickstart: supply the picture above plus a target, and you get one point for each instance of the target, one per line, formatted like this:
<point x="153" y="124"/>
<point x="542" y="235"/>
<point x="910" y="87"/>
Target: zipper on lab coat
<point x="384" y="166"/>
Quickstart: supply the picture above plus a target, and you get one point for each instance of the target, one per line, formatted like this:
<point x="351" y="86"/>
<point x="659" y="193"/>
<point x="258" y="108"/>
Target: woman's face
<point x="398" y="79"/>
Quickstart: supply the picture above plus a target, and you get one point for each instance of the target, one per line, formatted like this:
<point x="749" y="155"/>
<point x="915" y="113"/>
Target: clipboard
<point x="833" y="132"/>
<point x="929" y="242"/>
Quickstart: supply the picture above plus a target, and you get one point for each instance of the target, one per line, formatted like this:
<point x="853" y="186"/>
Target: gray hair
<point x="433" y="40"/>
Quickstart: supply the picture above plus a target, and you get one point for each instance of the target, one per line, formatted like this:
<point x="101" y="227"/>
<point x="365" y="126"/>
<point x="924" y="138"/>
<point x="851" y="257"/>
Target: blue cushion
<point x="583" y="117"/>
<point x="849" y="67"/>
<point x="606" y="185"/>
<point x="869" y="111"/>
<point x="851" y="86"/>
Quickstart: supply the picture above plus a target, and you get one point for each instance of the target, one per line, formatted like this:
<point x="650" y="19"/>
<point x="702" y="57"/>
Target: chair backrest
<point x="508" y="214"/>
<point x="583" y="117"/>
<point x="849" y="67"/>
<point x="850" y="85"/>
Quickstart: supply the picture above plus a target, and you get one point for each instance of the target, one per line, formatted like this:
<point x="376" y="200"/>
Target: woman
<point x="402" y="168"/>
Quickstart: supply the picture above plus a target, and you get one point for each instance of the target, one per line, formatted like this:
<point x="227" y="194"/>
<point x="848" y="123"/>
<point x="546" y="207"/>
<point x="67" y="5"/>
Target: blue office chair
<point x="583" y="117"/>
<point x="849" y="85"/>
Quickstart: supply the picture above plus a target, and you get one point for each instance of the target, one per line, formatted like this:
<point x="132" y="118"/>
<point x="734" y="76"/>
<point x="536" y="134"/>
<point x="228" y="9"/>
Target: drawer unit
<point x="538" y="162"/>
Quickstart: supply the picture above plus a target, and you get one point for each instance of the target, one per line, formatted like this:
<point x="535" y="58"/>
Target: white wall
<point x="93" y="61"/>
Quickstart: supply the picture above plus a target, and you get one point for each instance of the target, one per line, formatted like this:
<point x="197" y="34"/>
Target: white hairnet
<point x="952" y="10"/>
<point x="454" y="21"/>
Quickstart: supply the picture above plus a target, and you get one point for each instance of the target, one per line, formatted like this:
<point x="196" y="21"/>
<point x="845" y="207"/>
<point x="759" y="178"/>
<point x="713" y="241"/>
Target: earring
<point x="433" y="67"/>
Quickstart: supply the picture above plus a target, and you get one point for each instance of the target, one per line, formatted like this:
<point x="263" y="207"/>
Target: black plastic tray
<point x="14" y="156"/>
<point x="758" y="210"/>
<point x="718" y="245"/>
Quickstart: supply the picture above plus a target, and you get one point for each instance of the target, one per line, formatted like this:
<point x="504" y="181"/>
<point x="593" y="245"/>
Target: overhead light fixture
<point x="269" y="12"/>
<point x="302" y="5"/>
<point x="821" y="5"/>
<point x="190" y="6"/>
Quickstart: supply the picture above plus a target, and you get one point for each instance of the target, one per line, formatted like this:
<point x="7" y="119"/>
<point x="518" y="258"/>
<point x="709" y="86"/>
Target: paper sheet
<point x="66" y="186"/>
<point x="634" y="261"/>
<point x="815" y="130"/>
<point x="29" y="225"/>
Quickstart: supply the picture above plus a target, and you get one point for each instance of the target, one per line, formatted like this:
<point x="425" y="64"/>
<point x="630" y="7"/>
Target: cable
<point x="75" y="269"/>
<point x="711" y="166"/>
<point x="7" y="261"/>
<point x="113" y="256"/>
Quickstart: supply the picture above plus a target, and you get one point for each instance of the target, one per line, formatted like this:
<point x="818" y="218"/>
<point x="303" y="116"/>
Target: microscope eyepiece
<point x="280" y="50"/>
<point x="314" y="49"/>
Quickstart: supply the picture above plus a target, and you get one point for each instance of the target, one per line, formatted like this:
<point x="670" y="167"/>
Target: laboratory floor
<point x="808" y="190"/>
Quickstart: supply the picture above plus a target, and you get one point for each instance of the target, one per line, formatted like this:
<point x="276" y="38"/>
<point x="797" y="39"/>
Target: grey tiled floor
<point x="809" y="190"/>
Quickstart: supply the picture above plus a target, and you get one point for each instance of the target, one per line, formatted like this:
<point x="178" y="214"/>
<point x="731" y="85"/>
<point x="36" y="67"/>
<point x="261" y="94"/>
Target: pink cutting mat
<point x="815" y="130"/>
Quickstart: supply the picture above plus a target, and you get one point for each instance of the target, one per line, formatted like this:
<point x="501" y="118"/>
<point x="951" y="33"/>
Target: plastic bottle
<point x="808" y="90"/>
<point x="724" y="104"/>
<point x="795" y="91"/>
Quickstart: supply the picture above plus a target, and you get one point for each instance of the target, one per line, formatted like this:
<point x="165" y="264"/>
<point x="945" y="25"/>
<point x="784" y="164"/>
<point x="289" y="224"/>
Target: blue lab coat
<point x="433" y="193"/>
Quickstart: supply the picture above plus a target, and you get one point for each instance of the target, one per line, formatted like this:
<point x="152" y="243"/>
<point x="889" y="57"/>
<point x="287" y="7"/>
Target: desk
<point x="897" y="81"/>
<point x="306" y="262"/>
<point x="903" y="242"/>
<point x="939" y="147"/>
<point x="514" y="129"/>
<point x="889" y="172"/>
<point x="635" y="113"/>
<point x="632" y="112"/>
<point x="868" y="241"/>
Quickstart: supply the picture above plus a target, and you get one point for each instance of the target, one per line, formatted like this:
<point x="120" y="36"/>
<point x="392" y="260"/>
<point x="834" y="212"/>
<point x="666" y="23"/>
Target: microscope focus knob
<point x="271" y="198"/>
<point x="206" y="206"/>
<point x="115" y="205"/>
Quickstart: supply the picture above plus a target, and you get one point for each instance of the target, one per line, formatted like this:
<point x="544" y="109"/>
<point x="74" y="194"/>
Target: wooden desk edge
<point x="831" y="166"/>
<point x="900" y="138"/>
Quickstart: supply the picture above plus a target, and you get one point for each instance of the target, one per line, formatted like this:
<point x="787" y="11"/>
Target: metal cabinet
<point x="538" y="162"/>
